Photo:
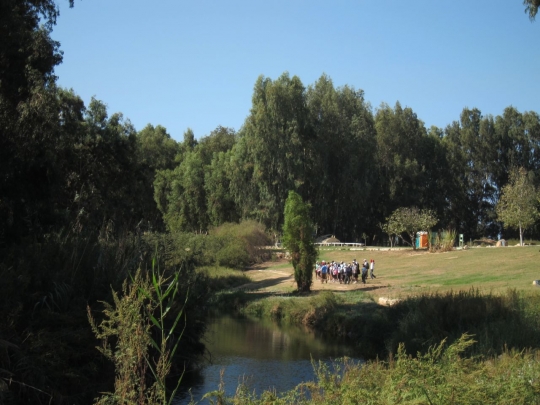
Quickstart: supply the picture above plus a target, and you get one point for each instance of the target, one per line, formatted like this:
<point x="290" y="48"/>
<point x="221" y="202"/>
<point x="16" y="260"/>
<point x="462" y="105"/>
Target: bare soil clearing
<point x="405" y="272"/>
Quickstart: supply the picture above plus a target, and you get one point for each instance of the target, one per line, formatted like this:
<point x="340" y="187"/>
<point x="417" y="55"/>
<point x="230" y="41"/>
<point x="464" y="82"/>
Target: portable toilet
<point x="422" y="240"/>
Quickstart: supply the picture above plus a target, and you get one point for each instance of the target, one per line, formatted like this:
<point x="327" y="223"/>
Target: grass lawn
<point x="406" y="272"/>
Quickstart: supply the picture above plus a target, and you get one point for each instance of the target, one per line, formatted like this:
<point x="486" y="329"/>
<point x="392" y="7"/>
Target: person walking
<point x="355" y="271"/>
<point x="364" y="271"/>
<point x="372" y="269"/>
<point x="324" y="273"/>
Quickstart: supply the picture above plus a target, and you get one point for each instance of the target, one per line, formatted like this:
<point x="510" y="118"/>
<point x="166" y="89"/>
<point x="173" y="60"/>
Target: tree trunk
<point x="520" y="235"/>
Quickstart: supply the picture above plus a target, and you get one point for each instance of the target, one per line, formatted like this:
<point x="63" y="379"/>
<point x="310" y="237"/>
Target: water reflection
<point x="260" y="353"/>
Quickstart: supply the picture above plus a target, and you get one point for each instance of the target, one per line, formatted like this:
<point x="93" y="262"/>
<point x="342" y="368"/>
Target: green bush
<point x="240" y="244"/>
<point x="233" y="255"/>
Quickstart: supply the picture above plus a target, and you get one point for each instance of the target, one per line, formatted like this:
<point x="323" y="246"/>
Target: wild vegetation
<point x="88" y="203"/>
<point x="442" y="375"/>
<point x="436" y="337"/>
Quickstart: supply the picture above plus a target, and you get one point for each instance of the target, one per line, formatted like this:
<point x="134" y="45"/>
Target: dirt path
<point x="277" y="276"/>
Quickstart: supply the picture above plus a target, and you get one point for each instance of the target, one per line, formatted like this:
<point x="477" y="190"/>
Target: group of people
<point x="344" y="273"/>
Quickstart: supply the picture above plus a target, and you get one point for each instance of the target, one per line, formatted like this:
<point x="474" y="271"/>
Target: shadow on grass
<point x="255" y="286"/>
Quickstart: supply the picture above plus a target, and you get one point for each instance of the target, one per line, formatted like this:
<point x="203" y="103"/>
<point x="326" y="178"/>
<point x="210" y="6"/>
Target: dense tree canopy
<point x="353" y="165"/>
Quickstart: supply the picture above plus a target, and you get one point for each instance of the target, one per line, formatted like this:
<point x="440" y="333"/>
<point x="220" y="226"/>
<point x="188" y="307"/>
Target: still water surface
<point x="260" y="353"/>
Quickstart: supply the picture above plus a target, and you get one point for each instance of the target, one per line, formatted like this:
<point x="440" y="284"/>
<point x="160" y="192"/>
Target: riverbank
<point x="443" y="376"/>
<point x="486" y="292"/>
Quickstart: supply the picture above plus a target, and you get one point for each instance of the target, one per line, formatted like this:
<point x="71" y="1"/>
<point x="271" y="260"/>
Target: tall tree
<point x="471" y="146"/>
<point x="342" y="169"/>
<point x="220" y="203"/>
<point x="400" y="137"/>
<point x="156" y="150"/>
<point x="298" y="240"/>
<point x="273" y="151"/>
<point x="28" y="114"/>
<point x="518" y="206"/>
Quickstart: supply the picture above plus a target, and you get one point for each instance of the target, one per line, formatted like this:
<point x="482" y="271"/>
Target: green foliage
<point x="442" y="241"/>
<point x="496" y="321"/>
<point x="220" y="202"/>
<point x="230" y="245"/>
<point x="342" y="180"/>
<point x="132" y="324"/>
<point x="312" y="311"/>
<point x="410" y="221"/>
<point x="233" y="255"/>
<point x="241" y="244"/>
<point x="443" y="375"/>
<point x="298" y="240"/>
<point x="532" y="8"/>
<point x="271" y="158"/>
<point x="518" y="206"/>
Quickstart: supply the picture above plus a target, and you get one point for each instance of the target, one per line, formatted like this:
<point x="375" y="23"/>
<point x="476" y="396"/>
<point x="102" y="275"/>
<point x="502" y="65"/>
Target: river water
<point x="259" y="353"/>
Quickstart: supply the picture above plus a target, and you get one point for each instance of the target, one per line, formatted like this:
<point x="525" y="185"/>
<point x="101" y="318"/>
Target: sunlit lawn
<point x="405" y="272"/>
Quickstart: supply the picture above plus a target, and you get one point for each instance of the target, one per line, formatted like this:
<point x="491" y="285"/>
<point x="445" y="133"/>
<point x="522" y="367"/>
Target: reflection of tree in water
<point x="268" y="340"/>
<point x="280" y="341"/>
<point x="261" y="353"/>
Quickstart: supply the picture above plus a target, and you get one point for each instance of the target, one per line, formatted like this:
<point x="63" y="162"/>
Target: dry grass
<point x="402" y="273"/>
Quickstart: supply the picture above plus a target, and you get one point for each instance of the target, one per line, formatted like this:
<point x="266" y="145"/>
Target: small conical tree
<point x="298" y="240"/>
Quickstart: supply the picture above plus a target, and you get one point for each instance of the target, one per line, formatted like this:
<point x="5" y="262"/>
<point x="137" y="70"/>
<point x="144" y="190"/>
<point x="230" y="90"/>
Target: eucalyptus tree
<point x="518" y="143"/>
<point x="472" y="153"/>
<point x="221" y="139"/>
<point x="108" y="172"/>
<point x="187" y="145"/>
<point x="273" y="154"/>
<point x="156" y="150"/>
<point x="216" y="151"/>
<point x="181" y="197"/>
<point x="400" y="134"/>
<point x="343" y="166"/>
<point x="458" y="208"/>
<point x="531" y="123"/>
<point x="220" y="203"/>
<point x="434" y="183"/>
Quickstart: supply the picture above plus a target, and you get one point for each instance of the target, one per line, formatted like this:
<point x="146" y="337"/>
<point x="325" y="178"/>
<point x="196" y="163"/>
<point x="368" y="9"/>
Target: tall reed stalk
<point x="144" y="346"/>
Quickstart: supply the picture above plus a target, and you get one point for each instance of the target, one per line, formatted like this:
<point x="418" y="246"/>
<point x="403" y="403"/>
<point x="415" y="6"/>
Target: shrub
<point x="233" y="255"/>
<point x="240" y="244"/>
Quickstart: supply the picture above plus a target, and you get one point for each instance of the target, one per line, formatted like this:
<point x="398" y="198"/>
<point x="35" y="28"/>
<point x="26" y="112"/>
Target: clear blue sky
<point x="193" y="63"/>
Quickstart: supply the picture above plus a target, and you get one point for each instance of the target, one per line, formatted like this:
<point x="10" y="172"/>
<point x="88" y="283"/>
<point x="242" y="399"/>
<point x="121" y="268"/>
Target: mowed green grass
<point x="406" y="272"/>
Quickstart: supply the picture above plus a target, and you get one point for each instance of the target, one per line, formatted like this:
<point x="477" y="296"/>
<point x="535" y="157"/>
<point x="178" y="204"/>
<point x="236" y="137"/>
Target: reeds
<point x="442" y="241"/>
<point x="144" y="341"/>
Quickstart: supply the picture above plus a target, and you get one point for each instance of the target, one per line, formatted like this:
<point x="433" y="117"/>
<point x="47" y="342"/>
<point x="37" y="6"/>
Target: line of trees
<point x="74" y="166"/>
<point x="67" y="165"/>
<point x="353" y="164"/>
